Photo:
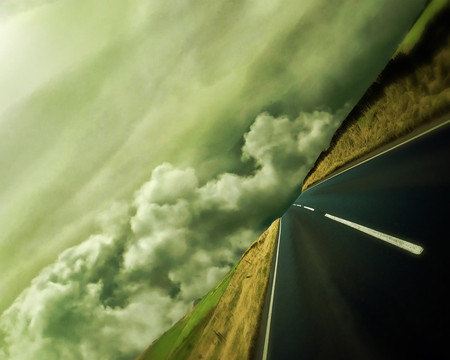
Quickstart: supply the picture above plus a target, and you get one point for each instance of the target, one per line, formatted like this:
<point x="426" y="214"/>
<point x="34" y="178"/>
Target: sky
<point x="145" y="145"/>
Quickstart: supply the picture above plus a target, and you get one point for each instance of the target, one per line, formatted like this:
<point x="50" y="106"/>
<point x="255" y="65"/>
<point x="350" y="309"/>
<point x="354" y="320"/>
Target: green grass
<point x="414" y="35"/>
<point x="177" y="342"/>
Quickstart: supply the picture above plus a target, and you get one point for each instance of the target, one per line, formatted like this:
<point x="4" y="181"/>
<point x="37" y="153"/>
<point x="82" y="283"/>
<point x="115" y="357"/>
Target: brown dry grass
<point x="232" y="329"/>
<point x="406" y="104"/>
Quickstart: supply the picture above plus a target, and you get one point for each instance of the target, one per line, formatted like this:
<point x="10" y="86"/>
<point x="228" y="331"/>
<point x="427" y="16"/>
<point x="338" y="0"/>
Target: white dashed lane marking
<point x="403" y="244"/>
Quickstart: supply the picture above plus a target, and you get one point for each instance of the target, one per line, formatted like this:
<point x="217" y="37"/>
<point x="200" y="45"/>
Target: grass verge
<point x="188" y="327"/>
<point x="225" y="323"/>
<point x="413" y="89"/>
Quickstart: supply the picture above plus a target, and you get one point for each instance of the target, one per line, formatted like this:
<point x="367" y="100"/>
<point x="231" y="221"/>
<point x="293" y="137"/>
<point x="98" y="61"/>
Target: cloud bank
<point x="109" y="296"/>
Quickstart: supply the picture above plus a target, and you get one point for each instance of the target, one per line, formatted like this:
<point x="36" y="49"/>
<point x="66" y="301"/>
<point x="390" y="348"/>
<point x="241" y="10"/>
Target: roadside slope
<point x="214" y="329"/>
<point x="412" y="91"/>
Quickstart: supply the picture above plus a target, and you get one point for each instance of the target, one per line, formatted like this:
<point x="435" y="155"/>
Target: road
<point x="375" y="288"/>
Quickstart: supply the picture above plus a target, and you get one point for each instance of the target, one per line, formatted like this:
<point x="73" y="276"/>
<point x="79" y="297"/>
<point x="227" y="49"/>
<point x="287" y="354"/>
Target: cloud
<point x="109" y="296"/>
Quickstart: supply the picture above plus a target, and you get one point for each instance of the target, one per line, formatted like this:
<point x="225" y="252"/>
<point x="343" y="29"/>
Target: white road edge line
<point x="306" y="207"/>
<point x="269" y="319"/>
<point x="297" y="205"/>
<point x="383" y="152"/>
<point x="405" y="245"/>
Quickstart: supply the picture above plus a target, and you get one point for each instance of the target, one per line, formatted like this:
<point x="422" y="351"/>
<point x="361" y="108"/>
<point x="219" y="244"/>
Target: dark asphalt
<point x="343" y="294"/>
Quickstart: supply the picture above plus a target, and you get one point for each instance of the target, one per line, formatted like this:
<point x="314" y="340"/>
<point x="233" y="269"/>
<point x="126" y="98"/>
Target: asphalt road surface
<point x="363" y="261"/>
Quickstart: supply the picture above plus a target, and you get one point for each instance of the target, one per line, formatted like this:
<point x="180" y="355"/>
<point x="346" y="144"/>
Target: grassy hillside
<point x="188" y="329"/>
<point x="214" y="329"/>
<point x="413" y="90"/>
<point x="417" y="31"/>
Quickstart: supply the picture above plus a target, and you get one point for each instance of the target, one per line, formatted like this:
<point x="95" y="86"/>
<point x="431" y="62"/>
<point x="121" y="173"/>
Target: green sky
<point x="144" y="145"/>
